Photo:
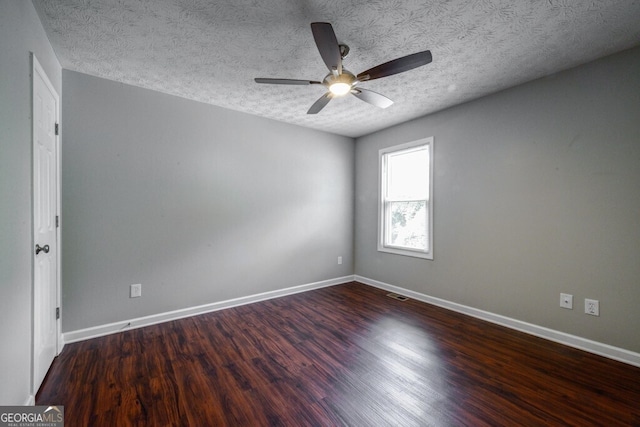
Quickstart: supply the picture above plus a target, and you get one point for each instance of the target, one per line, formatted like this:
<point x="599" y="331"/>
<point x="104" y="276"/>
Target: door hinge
<point x="57" y="221"/>
<point x="57" y="129"/>
<point x="57" y="313"/>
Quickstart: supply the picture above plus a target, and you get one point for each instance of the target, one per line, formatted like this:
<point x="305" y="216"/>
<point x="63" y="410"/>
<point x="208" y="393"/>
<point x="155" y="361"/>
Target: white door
<point x="45" y="209"/>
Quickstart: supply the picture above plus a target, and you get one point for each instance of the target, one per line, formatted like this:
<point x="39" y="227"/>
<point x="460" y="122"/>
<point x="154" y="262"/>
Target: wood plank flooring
<point x="345" y="355"/>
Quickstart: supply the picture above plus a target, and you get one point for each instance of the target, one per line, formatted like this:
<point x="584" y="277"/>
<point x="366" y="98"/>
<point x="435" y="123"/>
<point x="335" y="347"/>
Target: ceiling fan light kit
<point x="340" y="81"/>
<point x="340" y="88"/>
<point x="340" y="85"/>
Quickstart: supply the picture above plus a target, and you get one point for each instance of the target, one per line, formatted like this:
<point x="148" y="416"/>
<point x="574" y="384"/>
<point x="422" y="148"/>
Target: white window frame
<point x="383" y="203"/>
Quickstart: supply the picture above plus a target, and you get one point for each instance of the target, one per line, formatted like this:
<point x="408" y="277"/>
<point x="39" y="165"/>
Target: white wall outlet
<point x="592" y="307"/>
<point x="339" y="260"/>
<point x="566" y="301"/>
<point x="135" y="291"/>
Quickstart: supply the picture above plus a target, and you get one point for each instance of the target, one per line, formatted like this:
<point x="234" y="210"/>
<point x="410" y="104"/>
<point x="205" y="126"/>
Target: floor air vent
<point x="397" y="296"/>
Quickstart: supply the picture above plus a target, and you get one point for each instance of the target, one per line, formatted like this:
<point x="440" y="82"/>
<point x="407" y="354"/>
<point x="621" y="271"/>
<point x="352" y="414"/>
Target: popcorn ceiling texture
<point x="210" y="51"/>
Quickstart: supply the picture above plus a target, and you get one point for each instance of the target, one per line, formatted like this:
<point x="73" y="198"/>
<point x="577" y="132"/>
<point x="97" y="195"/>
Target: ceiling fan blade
<point x="396" y="66"/>
<point x="373" y="98"/>
<point x="320" y="103"/>
<point x="286" y="81"/>
<point x="327" y="44"/>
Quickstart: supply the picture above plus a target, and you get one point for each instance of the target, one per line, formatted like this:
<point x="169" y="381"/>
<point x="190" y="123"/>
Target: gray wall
<point x="20" y="34"/>
<point x="537" y="192"/>
<point x="198" y="203"/>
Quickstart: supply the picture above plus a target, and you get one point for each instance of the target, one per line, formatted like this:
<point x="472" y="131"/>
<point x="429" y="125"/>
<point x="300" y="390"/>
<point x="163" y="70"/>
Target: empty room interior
<point x="207" y="239"/>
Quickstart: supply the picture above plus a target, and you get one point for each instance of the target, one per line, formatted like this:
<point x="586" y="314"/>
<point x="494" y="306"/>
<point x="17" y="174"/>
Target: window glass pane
<point x="408" y="224"/>
<point x="406" y="204"/>
<point x="408" y="175"/>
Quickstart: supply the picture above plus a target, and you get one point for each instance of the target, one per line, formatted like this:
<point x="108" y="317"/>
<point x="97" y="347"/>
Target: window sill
<point x="406" y="252"/>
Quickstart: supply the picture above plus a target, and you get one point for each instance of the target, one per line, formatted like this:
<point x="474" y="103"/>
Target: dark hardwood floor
<point x="343" y="355"/>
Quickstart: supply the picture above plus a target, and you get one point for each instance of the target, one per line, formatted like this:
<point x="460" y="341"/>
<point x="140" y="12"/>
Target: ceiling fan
<point x="340" y="81"/>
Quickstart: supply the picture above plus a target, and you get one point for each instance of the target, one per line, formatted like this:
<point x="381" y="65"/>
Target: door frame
<point x="39" y="70"/>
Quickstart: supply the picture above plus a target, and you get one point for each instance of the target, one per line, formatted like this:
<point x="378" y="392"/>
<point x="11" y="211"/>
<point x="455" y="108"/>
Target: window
<point x="406" y="202"/>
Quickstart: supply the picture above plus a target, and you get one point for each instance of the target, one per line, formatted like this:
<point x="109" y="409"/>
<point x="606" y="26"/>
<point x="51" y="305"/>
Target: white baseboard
<point x="595" y="347"/>
<point x="111" y="328"/>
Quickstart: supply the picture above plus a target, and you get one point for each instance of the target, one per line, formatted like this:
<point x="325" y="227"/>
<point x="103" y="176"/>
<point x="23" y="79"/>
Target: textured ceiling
<point x="210" y="50"/>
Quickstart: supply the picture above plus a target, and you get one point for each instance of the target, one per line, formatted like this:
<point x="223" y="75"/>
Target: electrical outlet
<point x="566" y="301"/>
<point x="135" y="291"/>
<point x="339" y="260"/>
<point x="592" y="307"/>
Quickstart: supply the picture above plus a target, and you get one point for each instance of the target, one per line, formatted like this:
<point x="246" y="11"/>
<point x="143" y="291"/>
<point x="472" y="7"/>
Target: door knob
<point x="44" y="249"/>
